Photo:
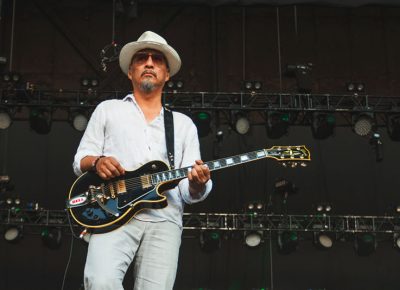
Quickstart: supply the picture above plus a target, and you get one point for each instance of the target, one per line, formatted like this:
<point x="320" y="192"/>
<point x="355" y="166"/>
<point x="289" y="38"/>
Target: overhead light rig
<point x="212" y="100"/>
<point x="390" y="224"/>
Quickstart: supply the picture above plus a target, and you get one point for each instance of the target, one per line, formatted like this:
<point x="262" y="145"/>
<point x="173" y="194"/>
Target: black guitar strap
<point x="169" y="136"/>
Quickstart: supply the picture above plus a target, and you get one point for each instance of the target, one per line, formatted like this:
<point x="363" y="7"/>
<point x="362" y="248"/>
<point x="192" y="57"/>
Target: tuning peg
<point x="284" y="164"/>
<point x="303" y="164"/>
<point x="293" y="164"/>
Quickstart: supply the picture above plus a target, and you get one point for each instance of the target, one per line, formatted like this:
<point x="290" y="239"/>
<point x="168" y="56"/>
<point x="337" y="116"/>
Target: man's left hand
<point x="198" y="177"/>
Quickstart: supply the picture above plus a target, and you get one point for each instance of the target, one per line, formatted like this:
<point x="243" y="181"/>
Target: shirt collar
<point x="131" y="98"/>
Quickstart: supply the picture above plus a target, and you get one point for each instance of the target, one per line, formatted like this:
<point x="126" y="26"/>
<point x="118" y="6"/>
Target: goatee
<point x="147" y="86"/>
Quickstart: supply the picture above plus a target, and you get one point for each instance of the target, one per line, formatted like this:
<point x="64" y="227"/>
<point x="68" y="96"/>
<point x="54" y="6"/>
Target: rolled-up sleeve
<point x="92" y="141"/>
<point x="191" y="152"/>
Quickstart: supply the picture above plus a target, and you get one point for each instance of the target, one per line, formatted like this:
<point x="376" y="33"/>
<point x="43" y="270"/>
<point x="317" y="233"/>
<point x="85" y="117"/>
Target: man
<point x="125" y="134"/>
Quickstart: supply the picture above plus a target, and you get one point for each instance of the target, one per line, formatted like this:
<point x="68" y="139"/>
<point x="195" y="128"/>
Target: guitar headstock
<point x="290" y="156"/>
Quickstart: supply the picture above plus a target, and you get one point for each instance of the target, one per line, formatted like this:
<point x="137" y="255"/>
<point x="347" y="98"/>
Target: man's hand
<point x="198" y="177"/>
<point x="109" y="167"/>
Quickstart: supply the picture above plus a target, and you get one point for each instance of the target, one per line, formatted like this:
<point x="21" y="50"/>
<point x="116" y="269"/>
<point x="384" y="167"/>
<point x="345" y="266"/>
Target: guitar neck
<point x="180" y="173"/>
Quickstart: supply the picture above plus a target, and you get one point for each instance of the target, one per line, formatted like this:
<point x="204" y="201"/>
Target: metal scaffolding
<point x="35" y="220"/>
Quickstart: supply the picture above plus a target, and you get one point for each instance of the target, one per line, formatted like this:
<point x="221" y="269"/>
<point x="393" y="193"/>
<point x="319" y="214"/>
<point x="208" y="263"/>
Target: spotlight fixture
<point x="253" y="238"/>
<point x="174" y="85"/>
<point x="79" y="120"/>
<point x="241" y="123"/>
<point x="13" y="234"/>
<point x="252" y="86"/>
<point x="323" y="125"/>
<point x="363" y="124"/>
<point x="89" y="82"/>
<point x="277" y="124"/>
<point x="11" y="77"/>
<point x="202" y="120"/>
<point x="51" y="237"/>
<point x="323" y="208"/>
<point x="40" y="120"/>
<point x="210" y="241"/>
<point x="5" y="120"/>
<point x="355" y="87"/>
<point x="323" y="240"/>
<point x="396" y="241"/>
<point x="255" y="207"/>
<point x="302" y="73"/>
<point x="285" y="187"/>
<point x="393" y="127"/>
<point x="365" y="244"/>
<point x="288" y="242"/>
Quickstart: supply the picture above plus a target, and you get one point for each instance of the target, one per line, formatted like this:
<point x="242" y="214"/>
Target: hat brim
<point x="129" y="50"/>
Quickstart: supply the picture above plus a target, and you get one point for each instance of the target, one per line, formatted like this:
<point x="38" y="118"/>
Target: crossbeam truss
<point x="229" y="222"/>
<point x="209" y="100"/>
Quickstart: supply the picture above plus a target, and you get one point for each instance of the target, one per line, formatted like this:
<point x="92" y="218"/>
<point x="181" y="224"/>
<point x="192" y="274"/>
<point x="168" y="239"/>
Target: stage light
<point x="79" y="120"/>
<point x="396" y="241"/>
<point x="288" y="242"/>
<point x="13" y="234"/>
<point x="323" y="208"/>
<point x="365" y="244"/>
<point x="285" y="187"/>
<point x="255" y="207"/>
<point x="355" y="87"/>
<point x="202" y="120"/>
<point x="5" y="120"/>
<point x="16" y="77"/>
<point x="323" y="240"/>
<point x="393" y="127"/>
<point x="363" y="124"/>
<point x="40" y="120"/>
<point x="242" y="123"/>
<point x="210" y="241"/>
<point x="323" y="125"/>
<point x="85" y="82"/>
<point x="277" y="124"/>
<point x="253" y="238"/>
<point x="51" y="237"/>
<point x="94" y="82"/>
<point x="173" y="85"/>
<point x="6" y="77"/>
<point x="252" y="85"/>
<point x="302" y="73"/>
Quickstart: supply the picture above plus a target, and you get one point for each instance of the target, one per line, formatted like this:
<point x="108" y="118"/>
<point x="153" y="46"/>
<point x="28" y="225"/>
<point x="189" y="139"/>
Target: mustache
<point x="148" y="71"/>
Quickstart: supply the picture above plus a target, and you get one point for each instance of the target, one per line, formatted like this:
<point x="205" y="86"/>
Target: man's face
<point x="148" y="70"/>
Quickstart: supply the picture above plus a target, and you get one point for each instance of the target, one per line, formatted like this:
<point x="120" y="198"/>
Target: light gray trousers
<point x="154" y="247"/>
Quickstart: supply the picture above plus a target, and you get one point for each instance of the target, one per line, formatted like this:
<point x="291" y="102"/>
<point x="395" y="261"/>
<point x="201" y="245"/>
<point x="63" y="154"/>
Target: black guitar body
<point x="105" y="214"/>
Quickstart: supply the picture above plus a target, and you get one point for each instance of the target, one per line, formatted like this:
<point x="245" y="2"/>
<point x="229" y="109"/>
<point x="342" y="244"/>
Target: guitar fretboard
<point x="214" y="165"/>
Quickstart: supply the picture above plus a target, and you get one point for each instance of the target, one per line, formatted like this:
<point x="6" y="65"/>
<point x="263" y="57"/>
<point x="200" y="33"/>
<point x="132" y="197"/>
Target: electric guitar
<point x="104" y="205"/>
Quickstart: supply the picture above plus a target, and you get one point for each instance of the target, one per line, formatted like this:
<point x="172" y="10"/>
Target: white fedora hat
<point x="151" y="40"/>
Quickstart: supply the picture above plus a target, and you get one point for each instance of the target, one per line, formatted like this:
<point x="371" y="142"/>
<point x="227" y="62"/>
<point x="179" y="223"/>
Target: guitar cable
<point x="73" y="236"/>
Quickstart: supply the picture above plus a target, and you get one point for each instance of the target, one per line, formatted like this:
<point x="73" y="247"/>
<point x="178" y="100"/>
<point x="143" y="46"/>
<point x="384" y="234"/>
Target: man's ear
<point x="129" y="73"/>
<point x="167" y="78"/>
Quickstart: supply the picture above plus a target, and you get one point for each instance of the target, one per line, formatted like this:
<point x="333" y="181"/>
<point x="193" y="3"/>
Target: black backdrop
<point x="219" y="46"/>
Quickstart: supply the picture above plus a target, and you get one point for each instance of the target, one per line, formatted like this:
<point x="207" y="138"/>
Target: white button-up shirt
<point x="118" y="128"/>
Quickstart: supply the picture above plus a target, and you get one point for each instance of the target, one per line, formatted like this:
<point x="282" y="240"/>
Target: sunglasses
<point x="142" y="56"/>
